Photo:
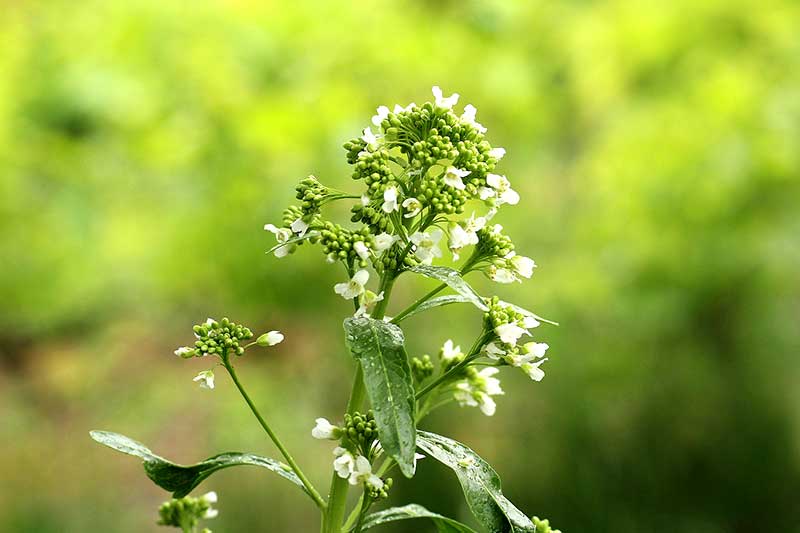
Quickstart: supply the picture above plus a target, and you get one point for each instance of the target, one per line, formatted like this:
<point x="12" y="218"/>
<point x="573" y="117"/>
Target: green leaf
<point x="378" y="346"/>
<point x="179" y="479"/>
<point x="480" y="483"/>
<point x="436" y="302"/>
<point x="443" y="524"/>
<point x="453" y="280"/>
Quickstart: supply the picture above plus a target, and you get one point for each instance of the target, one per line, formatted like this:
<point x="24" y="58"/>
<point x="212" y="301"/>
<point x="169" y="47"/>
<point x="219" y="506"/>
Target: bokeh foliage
<point x="143" y="144"/>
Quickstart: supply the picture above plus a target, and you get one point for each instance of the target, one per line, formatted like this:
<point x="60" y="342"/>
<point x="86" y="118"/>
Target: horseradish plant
<point x="423" y="169"/>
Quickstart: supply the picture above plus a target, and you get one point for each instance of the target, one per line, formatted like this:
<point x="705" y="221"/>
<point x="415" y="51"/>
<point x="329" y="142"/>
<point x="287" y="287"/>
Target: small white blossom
<point x="390" y="200"/>
<point x="477" y="390"/>
<point x="367" y="301"/>
<point x="281" y="235"/>
<point x="270" y="338"/>
<point x="362" y="473"/>
<point x="400" y="109"/>
<point x="536" y="349"/>
<point x="450" y="353"/>
<point x="325" y="430"/>
<point x="510" y="333"/>
<point x="354" y="287"/>
<point x="533" y="369"/>
<point x="442" y="101"/>
<point x="497" y="153"/>
<point x="493" y="351"/>
<point x="453" y="175"/>
<point x="382" y="113"/>
<point x="183" y="351"/>
<point x="501" y="275"/>
<point x="505" y="194"/>
<point x="365" y="200"/>
<point x="522" y="265"/>
<point x="427" y="245"/>
<point x="344" y="462"/>
<point x="384" y="241"/>
<point x="299" y="227"/>
<point x="486" y="192"/>
<point x="370" y="138"/>
<point x="361" y="249"/>
<point x="412" y="207"/>
<point x="205" y="379"/>
<point x="469" y="118"/>
<point x="210" y="498"/>
<point x="465" y="234"/>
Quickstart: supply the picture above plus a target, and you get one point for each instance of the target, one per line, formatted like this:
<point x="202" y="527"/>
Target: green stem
<point x="289" y="459"/>
<point x="337" y="499"/>
<point x="411" y="308"/>
<point x="365" y="503"/>
<point x="473" y="352"/>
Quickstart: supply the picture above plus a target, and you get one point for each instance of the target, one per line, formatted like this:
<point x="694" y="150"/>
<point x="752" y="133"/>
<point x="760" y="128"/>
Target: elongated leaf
<point x="480" y="483"/>
<point x="179" y="479"/>
<point x="378" y="346"/>
<point x="453" y="280"/>
<point x="436" y="302"/>
<point x="443" y="524"/>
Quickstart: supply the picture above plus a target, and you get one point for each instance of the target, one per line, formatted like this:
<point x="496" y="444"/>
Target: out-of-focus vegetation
<point x="143" y="145"/>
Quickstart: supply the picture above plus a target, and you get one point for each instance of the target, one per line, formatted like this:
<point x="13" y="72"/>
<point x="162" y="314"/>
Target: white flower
<point x="384" y="241"/>
<point x="522" y="265"/>
<point x="427" y="245"/>
<point x="497" y="153"/>
<point x="486" y="192"/>
<point x="344" y="462"/>
<point x="529" y="322"/>
<point x="270" y="338"/>
<point x="465" y="234"/>
<point x="441" y="100"/>
<point x="361" y="249"/>
<point x="493" y="351"/>
<point x="501" y="275"/>
<point x="370" y="138"/>
<point x="412" y="207"/>
<point x="299" y="227"/>
<point x="354" y="287"/>
<point x="510" y="333"/>
<point x="184" y="351"/>
<point x="367" y="301"/>
<point x="535" y="349"/>
<point x="477" y="390"/>
<point x="210" y="498"/>
<point x="362" y="473"/>
<point x="450" y="354"/>
<point x="365" y="200"/>
<point x="469" y="118"/>
<point x="390" y="200"/>
<point x="205" y="379"/>
<point x="383" y="112"/>
<point x="533" y="370"/>
<point x="505" y="194"/>
<point x="281" y="235"/>
<point x="325" y="430"/>
<point x="453" y="175"/>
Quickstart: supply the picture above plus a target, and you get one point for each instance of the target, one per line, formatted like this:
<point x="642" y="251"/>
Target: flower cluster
<point x="421" y="368"/>
<point x="185" y="513"/>
<point x="222" y="339"/>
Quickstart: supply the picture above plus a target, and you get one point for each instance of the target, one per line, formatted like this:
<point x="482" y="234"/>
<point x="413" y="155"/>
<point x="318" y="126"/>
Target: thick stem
<point x="289" y="459"/>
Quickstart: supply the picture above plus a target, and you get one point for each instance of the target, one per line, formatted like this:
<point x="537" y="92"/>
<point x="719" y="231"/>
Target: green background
<point x="143" y="145"/>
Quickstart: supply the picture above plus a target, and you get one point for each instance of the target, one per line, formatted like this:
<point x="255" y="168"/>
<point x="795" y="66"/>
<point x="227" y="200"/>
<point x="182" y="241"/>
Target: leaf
<point x="378" y="346"/>
<point x="436" y="302"/>
<point x="480" y="483"/>
<point x="453" y="280"/>
<point x="179" y="479"/>
<point x="443" y="524"/>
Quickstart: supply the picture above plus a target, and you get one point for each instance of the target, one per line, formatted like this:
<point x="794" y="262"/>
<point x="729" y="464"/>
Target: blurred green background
<point x="143" y="145"/>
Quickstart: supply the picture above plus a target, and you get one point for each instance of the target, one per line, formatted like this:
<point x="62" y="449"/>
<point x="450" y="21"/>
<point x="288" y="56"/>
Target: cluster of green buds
<point x="185" y="513"/>
<point x="421" y="368"/>
<point x="421" y="165"/>
<point x="359" y="448"/>
<point x="508" y="322"/>
<point x="221" y="339"/>
<point x="543" y="526"/>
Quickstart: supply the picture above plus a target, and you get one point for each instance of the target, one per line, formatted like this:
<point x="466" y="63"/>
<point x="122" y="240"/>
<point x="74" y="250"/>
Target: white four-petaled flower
<point x="523" y="266"/>
<point x="361" y="249"/>
<point x="325" y="430"/>
<point x="299" y="227"/>
<point x="465" y="234"/>
<point x="412" y="207"/>
<point x="510" y="333"/>
<point x="281" y="235"/>
<point x="370" y="138"/>
<point x="205" y="379"/>
<point x="452" y="177"/>
<point x="497" y="153"/>
<point x="427" y="245"/>
<point x="477" y="391"/>
<point x="445" y="102"/>
<point x="384" y="241"/>
<point x="382" y="113"/>
<point x="450" y="353"/>
<point x="505" y="194"/>
<point x="468" y="117"/>
<point x="367" y="301"/>
<point x="353" y="288"/>
<point x="390" y="200"/>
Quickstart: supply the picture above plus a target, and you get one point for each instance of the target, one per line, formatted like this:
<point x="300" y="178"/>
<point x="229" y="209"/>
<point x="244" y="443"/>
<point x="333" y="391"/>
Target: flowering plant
<point x="421" y="168"/>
